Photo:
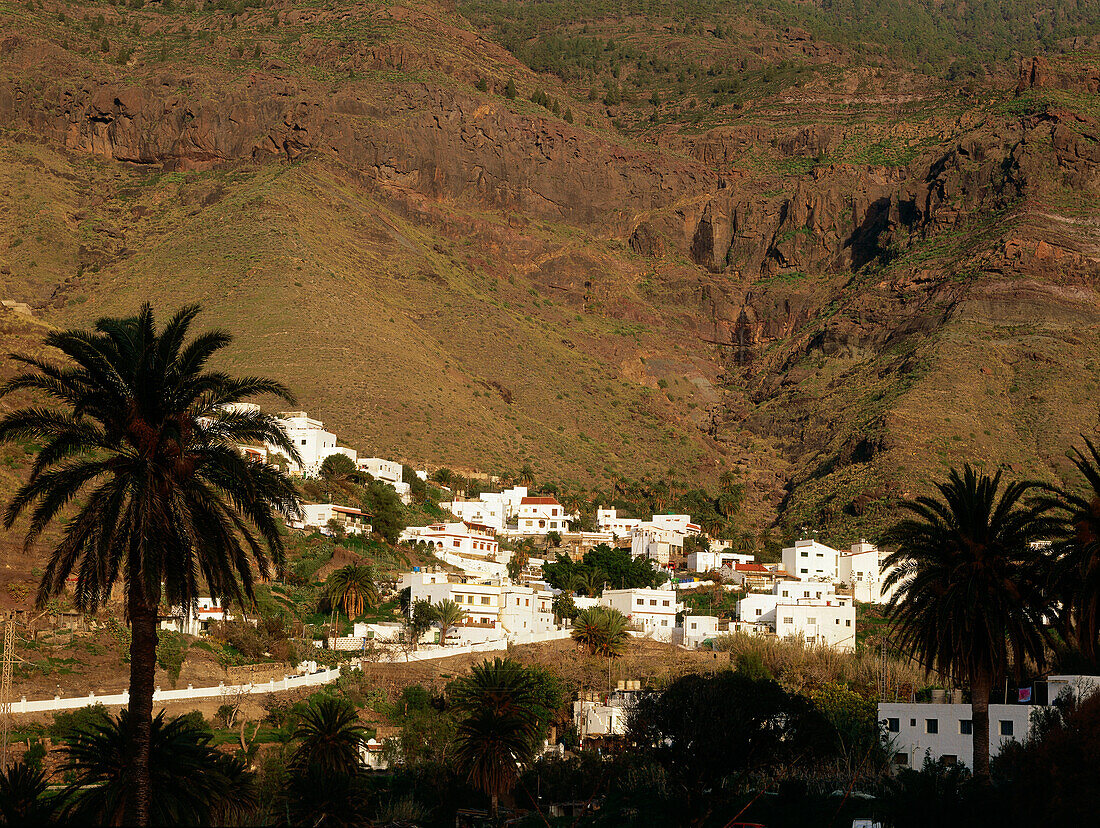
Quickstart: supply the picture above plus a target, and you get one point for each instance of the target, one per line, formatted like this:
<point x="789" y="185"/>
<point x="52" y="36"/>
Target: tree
<point x="965" y="589"/>
<point x="1074" y="568"/>
<point x="527" y="476"/>
<point x="443" y="476"/>
<point x="330" y="732"/>
<point x="338" y="467"/>
<point x="709" y="732"/>
<point x="381" y="501"/>
<point x="602" y="631"/>
<point x="353" y="588"/>
<point x="498" y="735"/>
<point x="24" y="795"/>
<point x="447" y="614"/>
<point x="553" y="539"/>
<point x="192" y="783"/>
<point x="145" y="443"/>
<point x="510" y="90"/>
<point x="419" y="621"/>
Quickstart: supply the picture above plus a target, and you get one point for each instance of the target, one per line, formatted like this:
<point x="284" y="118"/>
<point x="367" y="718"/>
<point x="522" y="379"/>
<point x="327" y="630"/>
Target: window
<point x="949" y="759"/>
<point x="457" y="542"/>
<point x="664" y="622"/>
<point x="786" y="593"/>
<point x="802" y="571"/>
<point x="931" y="725"/>
<point x="893" y="725"/>
<point x="640" y="602"/>
<point x="693" y="625"/>
<point x="526" y="602"/>
<point x="805" y="554"/>
<point x="664" y="603"/>
<point x="901" y="758"/>
<point x="811" y="619"/>
<point x="912" y="723"/>
<point x="847" y="622"/>
<point x="653" y="602"/>
<point x="966" y="727"/>
<point x="485" y="599"/>
<point x="786" y="620"/>
<point x="1006" y="727"/>
<point x="303" y="441"/>
<point x="759" y="611"/>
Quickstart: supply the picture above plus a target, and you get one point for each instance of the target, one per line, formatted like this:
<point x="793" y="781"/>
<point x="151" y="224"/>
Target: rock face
<point x="828" y="290"/>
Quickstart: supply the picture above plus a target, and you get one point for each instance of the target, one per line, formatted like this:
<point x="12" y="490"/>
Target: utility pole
<point x="882" y="669"/>
<point x="5" y="687"/>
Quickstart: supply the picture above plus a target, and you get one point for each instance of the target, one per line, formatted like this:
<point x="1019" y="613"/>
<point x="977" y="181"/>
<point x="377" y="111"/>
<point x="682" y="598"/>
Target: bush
<point x="66" y="723"/>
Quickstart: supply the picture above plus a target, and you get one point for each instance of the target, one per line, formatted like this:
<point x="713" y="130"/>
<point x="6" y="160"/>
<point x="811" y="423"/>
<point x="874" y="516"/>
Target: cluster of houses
<point x="315" y="445"/>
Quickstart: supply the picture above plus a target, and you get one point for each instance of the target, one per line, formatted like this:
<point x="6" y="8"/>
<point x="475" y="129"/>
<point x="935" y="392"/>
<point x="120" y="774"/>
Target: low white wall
<point x="431" y="652"/>
<point x="189" y="692"/>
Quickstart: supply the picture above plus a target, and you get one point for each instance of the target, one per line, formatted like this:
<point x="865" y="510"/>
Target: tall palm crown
<point x="147" y="438"/>
<point x="601" y="630"/>
<point x="154" y="436"/>
<point x="1075" y="567"/>
<point x="330" y="732"/>
<point x="448" y="614"/>
<point x="353" y="588"/>
<point x="967" y="602"/>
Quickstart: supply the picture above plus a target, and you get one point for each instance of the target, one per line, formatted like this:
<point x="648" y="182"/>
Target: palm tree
<point x="145" y="442"/>
<point x="330" y="732"/>
<point x="527" y="476"/>
<point x="24" y="796"/>
<point x="192" y="783"/>
<point x="447" y="614"/>
<point x="729" y="503"/>
<point x="714" y="525"/>
<point x="601" y="631"/>
<point x="965" y="589"/>
<point x="352" y="588"/>
<point x="500" y="730"/>
<point x="1074" y="571"/>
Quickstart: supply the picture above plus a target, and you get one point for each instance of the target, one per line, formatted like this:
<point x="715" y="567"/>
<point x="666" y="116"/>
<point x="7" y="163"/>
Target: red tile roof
<point x="752" y="567"/>
<point x="539" y="501"/>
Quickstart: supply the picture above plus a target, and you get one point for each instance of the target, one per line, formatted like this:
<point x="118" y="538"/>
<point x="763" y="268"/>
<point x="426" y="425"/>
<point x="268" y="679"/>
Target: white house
<point x="314" y="444"/>
<point x="495" y="608"/>
<point x="824" y="622"/>
<point x="197" y="619"/>
<point x="539" y="515"/>
<point x="497" y="509"/>
<point x="695" y="630"/>
<point x="651" y="611"/>
<point x="809" y="611"/>
<point x="861" y="569"/>
<point x="661" y="537"/>
<point x="699" y="561"/>
<point x="465" y="539"/>
<point x="388" y="471"/>
<point x="945" y="731"/>
<point x="317" y="515"/>
<point x="607" y="520"/>
<point x="597" y="715"/>
<point x="809" y="560"/>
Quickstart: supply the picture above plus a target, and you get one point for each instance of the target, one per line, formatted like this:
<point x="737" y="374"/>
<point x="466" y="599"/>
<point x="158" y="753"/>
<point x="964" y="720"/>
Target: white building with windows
<point x="389" y="472"/>
<point x="465" y="539"/>
<point x="197" y="619"/>
<point x="496" y="509"/>
<point x="861" y="569"/>
<point x="651" y="611"/>
<point x="699" y="561"/>
<point x="810" y="611"/>
<point x="942" y="730"/>
<point x="495" y="609"/>
<point x="695" y="630"/>
<point x="311" y="440"/>
<point x="663" y="536"/>
<point x="539" y="515"/>
<point x="608" y="520"/>
<point x="317" y="516"/>
<point x="809" y="560"/>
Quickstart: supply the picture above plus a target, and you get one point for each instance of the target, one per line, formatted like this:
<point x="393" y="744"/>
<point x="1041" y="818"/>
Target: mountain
<point x="836" y="248"/>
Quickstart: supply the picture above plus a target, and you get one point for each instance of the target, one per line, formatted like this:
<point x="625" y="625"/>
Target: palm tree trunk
<point x="143" y="665"/>
<point x="980" y="686"/>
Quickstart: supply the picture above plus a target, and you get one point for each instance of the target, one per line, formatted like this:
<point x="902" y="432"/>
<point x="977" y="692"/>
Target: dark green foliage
<point x="24" y="798"/>
<point x="509" y="93"/>
<point x="707" y="732"/>
<point x="330" y="734"/>
<point x="217" y="785"/>
<point x="615" y="566"/>
<point x="67" y="723"/>
<point x="337" y="467"/>
<point x="386" y="509"/>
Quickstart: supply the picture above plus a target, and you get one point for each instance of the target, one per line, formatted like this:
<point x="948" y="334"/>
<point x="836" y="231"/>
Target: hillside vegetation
<point x="834" y="248"/>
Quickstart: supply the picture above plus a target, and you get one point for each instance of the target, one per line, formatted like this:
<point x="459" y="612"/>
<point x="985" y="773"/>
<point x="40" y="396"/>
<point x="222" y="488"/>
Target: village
<point x="503" y="596"/>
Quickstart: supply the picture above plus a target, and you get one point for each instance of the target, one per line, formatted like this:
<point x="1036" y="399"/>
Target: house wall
<point x="653" y="611"/>
<point x="912" y="738"/>
<point x="809" y="560"/>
